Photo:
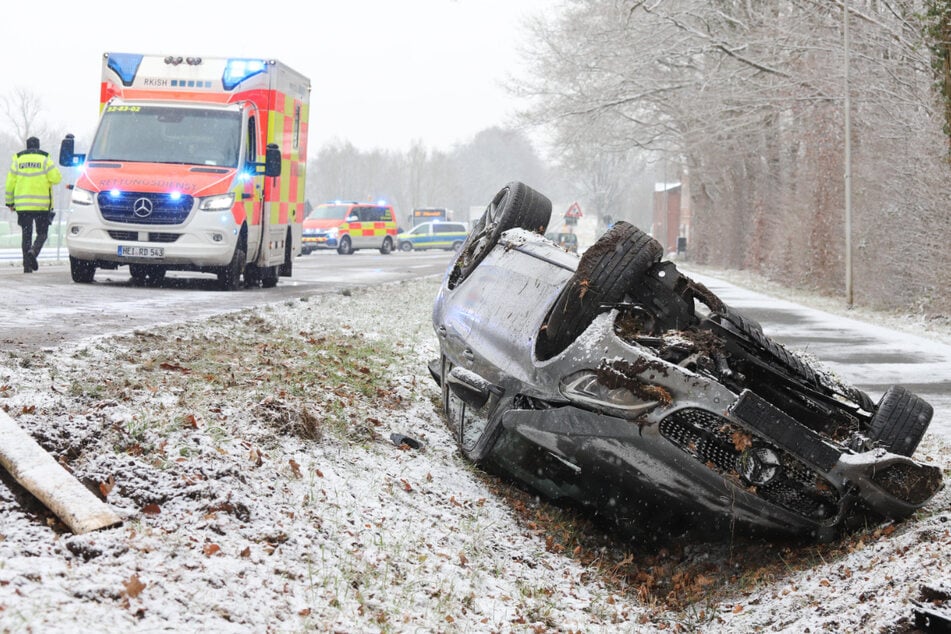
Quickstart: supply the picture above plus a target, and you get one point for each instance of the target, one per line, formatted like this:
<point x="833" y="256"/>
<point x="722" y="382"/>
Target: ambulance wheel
<point x="406" y="246"/>
<point x="269" y="277"/>
<point x="387" y="247"/>
<point x="287" y="268"/>
<point x="82" y="271"/>
<point x="146" y="274"/>
<point x="345" y="248"/>
<point x="229" y="278"/>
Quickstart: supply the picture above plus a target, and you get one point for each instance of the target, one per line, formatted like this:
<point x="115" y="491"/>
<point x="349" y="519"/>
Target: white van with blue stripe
<point x="433" y="235"/>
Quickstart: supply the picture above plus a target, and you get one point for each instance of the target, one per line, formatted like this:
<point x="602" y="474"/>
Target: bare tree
<point x="750" y="95"/>
<point x="22" y="109"/>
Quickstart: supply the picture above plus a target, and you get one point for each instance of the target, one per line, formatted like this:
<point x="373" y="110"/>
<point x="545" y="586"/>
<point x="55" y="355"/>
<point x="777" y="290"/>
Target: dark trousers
<point x="26" y="220"/>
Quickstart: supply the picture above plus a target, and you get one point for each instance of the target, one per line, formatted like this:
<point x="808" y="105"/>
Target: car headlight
<point x="310" y="232"/>
<point x="590" y="390"/>
<point x="217" y="203"/>
<point x="82" y="196"/>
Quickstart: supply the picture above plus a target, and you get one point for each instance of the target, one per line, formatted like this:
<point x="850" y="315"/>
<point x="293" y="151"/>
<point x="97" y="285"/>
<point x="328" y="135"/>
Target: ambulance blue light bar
<point x="237" y="70"/>
<point x="125" y="65"/>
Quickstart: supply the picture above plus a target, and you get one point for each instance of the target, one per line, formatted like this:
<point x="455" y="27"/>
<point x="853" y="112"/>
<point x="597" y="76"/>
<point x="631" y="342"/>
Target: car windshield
<point x="329" y="212"/>
<point x="168" y="134"/>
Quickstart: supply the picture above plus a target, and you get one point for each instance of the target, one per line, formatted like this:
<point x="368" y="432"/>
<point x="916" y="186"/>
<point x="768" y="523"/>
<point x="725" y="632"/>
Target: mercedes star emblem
<point x="142" y="207"/>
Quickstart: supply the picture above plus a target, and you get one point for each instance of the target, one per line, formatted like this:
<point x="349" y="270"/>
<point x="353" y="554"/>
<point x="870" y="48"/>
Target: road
<point x="46" y="308"/>
<point x="867" y="355"/>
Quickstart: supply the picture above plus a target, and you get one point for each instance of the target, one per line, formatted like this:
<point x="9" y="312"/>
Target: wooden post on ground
<point x="40" y="474"/>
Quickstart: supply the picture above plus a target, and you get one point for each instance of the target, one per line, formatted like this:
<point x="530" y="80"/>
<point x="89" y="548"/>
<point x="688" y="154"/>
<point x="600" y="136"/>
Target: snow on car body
<point x="615" y="382"/>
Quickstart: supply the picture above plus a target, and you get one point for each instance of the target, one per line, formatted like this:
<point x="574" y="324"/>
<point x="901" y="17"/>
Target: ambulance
<point x="197" y="164"/>
<point x="349" y="226"/>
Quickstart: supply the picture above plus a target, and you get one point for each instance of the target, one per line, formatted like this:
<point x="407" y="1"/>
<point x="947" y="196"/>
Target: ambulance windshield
<point x="168" y="134"/>
<point x="329" y="212"/>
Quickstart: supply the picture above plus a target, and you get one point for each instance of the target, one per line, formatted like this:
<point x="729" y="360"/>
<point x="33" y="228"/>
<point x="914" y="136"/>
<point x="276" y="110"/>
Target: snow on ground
<point x="250" y="456"/>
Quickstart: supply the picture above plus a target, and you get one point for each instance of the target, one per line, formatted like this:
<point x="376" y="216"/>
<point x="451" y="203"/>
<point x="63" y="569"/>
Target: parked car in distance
<point x="567" y="241"/>
<point x="616" y="383"/>
<point x="349" y="227"/>
<point x="433" y="235"/>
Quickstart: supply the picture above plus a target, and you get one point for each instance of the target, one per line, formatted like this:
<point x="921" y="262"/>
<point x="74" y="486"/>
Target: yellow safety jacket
<point x="32" y="174"/>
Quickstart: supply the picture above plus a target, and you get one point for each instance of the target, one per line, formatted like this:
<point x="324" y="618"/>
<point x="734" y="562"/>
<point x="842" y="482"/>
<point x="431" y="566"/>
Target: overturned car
<point x="615" y="382"/>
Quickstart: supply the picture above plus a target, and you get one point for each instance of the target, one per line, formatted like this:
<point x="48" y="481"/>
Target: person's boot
<point x="29" y="261"/>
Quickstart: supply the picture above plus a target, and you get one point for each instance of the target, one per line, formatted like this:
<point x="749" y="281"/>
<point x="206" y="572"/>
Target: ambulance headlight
<point x="82" y="197"/>
<point x="217" y="203"/>
<point x="332" y="233"/>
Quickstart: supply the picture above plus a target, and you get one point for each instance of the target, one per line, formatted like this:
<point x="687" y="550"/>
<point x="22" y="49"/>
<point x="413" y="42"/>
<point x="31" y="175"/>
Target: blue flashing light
<point x="381" y="202"/>
<point x="125" y="65"/>
<point x="175" y="195"/>
<point x="114" y="193"/>
<point x="237" y="70"/>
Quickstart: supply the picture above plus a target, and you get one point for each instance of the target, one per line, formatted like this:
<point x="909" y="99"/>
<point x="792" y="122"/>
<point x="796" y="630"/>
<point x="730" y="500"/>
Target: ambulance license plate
<point x="141" y="252"/>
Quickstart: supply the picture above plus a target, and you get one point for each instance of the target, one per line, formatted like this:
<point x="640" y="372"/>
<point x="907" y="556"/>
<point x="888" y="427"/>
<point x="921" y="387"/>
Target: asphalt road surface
<point x="47" y="308"/>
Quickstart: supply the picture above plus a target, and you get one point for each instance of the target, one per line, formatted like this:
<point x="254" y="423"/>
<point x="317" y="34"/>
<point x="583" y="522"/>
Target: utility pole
<point x="848" y="162"/>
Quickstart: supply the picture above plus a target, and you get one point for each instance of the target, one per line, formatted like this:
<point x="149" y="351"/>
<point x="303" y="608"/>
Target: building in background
<point x="673" y="220"/>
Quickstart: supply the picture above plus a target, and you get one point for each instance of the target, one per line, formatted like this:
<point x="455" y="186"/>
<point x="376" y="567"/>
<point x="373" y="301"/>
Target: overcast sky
<point x="383" y="72"/>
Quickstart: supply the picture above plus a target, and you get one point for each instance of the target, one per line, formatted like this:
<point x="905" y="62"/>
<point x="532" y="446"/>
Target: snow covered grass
<point x="251" y="458"/>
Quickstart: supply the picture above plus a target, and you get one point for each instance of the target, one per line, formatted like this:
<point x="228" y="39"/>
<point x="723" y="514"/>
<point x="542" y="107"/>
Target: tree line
<point x="748" y="100"/>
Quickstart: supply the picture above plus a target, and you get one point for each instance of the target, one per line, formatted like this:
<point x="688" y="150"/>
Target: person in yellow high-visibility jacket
<point x="29" y="193"/>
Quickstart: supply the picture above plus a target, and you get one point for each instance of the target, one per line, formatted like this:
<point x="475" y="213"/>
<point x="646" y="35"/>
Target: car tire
<point x="406" y="246"/>
<point x="900" y="421"/>
<point x="146" y="274"/>
<point x="229" y="278"/>
<point x="387" y="247"/>
<point x="616" y="262"/>
<point x="345" y="248"/>
<point x="286" y="269"/>
<point x="456" y="246"/>
<point x="82" y="271"/>
<point x="515" y="205"/>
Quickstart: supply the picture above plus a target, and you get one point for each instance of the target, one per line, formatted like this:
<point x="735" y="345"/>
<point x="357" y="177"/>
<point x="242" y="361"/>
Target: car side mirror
<point x="471" y="388"/>
<point x="67" y="153"/>
<point x="272" y="160"/>
<point x="352" y="218"/>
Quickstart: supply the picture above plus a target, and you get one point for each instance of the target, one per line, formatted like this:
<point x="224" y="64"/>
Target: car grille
<point x="133" y="236"/>
<point x="163" y="237"/>
<point x="144" y="208"/>
<point x="126" y="236"/>
<point x="711" y="439"/>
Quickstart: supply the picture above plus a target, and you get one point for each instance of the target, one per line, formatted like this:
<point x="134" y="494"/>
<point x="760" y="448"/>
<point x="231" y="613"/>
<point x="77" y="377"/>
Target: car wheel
<point x="617" y="261"/>
<point x="269" y="277"/>
<point x="82" y="271"/>
<point x="515" y="205"/>
<point x="387" y="247"/>
<point x="345" y="248"/>
<point x="146" y="274"/>
<point x="229" y="277"/>
<point x="137" y="272"/>
<point x="287" y="268"/>
<point x="456" y="246"/>
<point x="406" y="246"/>
<point x="900" y="421"/>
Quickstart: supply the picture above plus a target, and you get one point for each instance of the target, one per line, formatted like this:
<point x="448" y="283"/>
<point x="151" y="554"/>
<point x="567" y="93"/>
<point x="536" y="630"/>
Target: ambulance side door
<point x="254" y="186"/>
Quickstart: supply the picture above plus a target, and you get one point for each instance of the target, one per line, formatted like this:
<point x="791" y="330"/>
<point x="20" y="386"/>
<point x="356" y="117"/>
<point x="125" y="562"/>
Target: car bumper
<point x="207" y="239"/>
